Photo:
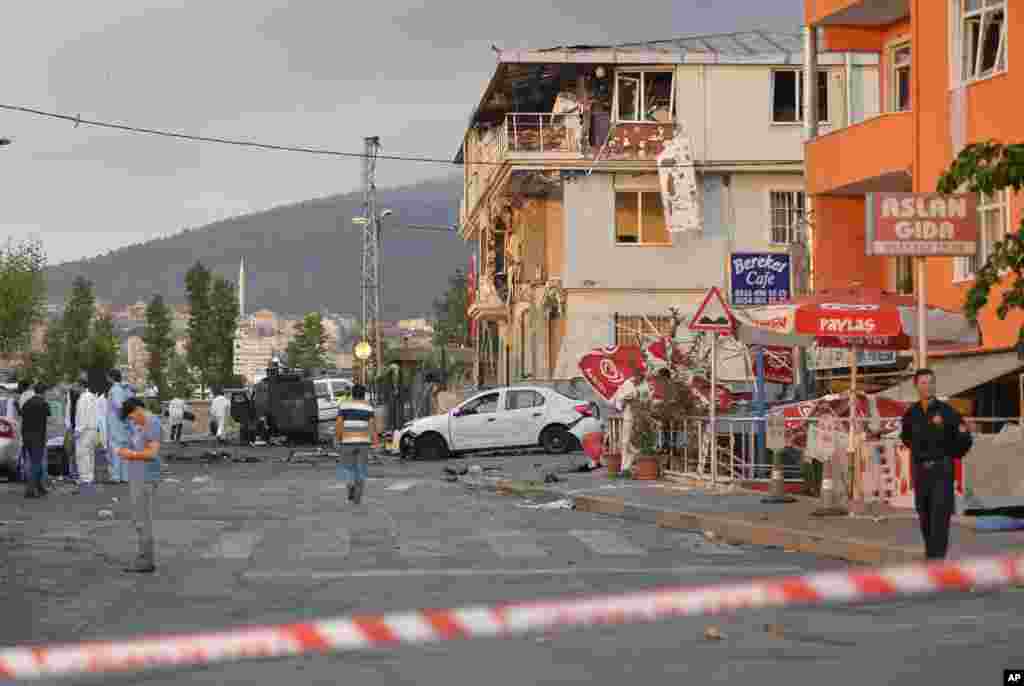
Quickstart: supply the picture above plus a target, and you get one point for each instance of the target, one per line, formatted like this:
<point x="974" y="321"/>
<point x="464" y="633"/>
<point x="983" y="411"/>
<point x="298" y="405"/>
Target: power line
<point x="77" y="120"/>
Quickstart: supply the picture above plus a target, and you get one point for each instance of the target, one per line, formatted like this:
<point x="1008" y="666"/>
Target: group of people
<point x="93" y="426"/>
<point x="100" y="417"/>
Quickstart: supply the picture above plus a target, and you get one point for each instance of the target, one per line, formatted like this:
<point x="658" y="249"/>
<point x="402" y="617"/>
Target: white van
<point x="329" y="393"/>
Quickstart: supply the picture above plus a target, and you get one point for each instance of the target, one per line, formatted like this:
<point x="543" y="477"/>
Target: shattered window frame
<point x="640" y="242"/>
<point x="823" y="104"/>
<point x="982" y="39"/>
<point x="641" y="75"/>
<point x="993" y="226"/>
<point x="901" y="58"/>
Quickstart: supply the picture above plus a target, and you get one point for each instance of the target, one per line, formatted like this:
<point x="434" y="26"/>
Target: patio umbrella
<point x="854" y="318"/>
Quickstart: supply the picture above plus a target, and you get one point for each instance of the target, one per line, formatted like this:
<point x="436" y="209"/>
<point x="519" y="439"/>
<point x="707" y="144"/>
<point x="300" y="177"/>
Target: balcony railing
<point x="541" y="133"/>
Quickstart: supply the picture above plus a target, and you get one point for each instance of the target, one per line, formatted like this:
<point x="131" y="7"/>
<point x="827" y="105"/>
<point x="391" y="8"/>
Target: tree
<point x="987" y="168"/>
<point x="76" y="324"/>
<point x="451" y="319"/>
<point x="181" y="382"/>
<point x="308" y="349"/>
<point x="22" y="293"/>
<point x="224" y="325"/>
<point x="103" y="348"/>
<point x="200" y="323"/>
<point x="159" y="342"/>
<point x="49" y="364"/>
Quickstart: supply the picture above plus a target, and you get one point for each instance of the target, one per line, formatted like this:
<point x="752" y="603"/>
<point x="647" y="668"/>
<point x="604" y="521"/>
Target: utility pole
<point x="371" y="253"/>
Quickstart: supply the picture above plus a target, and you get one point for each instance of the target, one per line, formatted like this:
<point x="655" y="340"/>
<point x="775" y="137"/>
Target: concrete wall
<point x="691" y="261"/>
<point x="727" y="110"/>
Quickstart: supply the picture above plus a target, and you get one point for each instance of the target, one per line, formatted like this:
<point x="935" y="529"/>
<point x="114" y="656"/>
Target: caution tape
<point x="363" y="632"/>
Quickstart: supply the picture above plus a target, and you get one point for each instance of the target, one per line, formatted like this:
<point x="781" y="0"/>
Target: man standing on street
<point x="218" y="415"/>
<point x="176" y="413"/>
<point x="355" y="433"/>
<point x="634" y="391"/>
<point x="118" y="431"/>
<point x="86" y="431"/>
<point x="142" y="468"/>
<point x="936" y="435"/>
<point x="34" y="414"/>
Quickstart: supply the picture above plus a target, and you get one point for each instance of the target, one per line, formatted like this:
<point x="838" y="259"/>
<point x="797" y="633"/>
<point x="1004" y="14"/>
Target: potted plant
<point x="651" y="417"/>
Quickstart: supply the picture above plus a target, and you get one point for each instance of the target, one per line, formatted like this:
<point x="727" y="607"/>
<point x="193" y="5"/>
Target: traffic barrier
<point x="363" y="632"/>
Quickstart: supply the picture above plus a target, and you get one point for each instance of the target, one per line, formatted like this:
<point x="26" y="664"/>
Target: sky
<point x="292" y="72"/>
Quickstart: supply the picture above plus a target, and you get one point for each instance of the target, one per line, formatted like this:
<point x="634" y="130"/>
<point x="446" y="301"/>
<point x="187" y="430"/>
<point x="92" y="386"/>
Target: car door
<point x="474" y="423"/>
<point x="524" y="415"/>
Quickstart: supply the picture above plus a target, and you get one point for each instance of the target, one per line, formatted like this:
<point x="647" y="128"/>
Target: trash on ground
<point x="563" y="504"/>
<point x="551" y="479"/>
<point x="200" y="479"/>
<point x="106" y="514"/>
<point x="710" y="535"/>
<point x="713" y="633"/>
<point x="476" y="469"/>
<point x="460" y="472"/>
<point x="775" y="630"/>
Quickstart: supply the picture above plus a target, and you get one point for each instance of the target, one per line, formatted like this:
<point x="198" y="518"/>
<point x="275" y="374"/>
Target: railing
<point x="688" y="447"/>
<point x="541" y="132"/>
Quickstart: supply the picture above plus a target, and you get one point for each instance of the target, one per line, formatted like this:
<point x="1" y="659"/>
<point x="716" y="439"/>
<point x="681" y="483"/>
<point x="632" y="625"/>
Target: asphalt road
<point x="274" y="542"/>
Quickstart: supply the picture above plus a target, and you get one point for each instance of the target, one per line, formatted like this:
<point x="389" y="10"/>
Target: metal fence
<point x="739" y="449"/>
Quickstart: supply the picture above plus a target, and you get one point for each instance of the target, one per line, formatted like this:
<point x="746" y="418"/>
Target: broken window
<point x="788" y="96"/>
<point x="982" y="37"/>
<point x="640" y="218"/>
<point x="787" y="216"/>
<point x="901" y="78"/>
<point x="645" y="96"/>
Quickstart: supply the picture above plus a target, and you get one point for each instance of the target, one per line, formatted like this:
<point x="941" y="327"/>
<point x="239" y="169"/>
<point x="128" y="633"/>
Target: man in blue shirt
<point x="141" y="467"/>
<point x="118" y="431"/>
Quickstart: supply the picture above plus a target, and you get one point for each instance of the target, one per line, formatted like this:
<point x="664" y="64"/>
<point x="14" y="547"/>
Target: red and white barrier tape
<point x="427" y="626"/>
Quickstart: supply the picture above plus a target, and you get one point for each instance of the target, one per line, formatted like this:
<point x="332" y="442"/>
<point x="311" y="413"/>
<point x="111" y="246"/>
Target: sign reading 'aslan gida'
<point x="921" y="224"/>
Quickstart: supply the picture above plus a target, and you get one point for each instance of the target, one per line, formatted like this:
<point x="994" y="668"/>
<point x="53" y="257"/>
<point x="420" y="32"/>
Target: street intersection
<point x="276" y="541"/>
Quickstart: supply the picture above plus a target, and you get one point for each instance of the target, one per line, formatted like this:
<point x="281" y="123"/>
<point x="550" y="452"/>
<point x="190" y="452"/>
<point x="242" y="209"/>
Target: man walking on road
<point x="218" y="415"/>
<point x="86" y="432"/>
<point x="355" y="433"/>
<point x="936" y="435"/>
<point x="176" y="413"/>
<point x="34" y="414"/>
<point x="142" y="468"/>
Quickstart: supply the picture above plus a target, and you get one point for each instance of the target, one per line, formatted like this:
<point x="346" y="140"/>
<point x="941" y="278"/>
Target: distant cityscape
<point x="261" y="335"/>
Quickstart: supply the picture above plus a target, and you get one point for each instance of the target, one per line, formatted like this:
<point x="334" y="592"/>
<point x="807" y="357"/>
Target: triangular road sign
<point x="714" y="314"/>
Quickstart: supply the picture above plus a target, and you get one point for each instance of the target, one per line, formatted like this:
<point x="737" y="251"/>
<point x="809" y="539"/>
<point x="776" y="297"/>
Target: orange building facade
<point x="944" y="80"/>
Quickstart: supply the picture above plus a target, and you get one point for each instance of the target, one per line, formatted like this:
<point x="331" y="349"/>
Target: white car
<point x="512" y="417"/>
<point x="10" y="435"/>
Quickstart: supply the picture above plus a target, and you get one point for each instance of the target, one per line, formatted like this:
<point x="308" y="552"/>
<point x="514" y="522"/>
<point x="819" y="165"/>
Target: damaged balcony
<point x="538" y="134"/>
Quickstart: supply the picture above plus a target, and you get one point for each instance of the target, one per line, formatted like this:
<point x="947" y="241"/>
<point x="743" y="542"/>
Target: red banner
<point x="608" y="368"/>
<point x="778" y="364"/>
<point x="848" y="321"/>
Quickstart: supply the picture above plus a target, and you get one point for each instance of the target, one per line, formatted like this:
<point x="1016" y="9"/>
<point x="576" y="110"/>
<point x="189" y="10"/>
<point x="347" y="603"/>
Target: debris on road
<point x="775" y="630"/>
<point x="200" y="479"/>
<point x="456" y="472"/>
<point x="710" y="535"/>
<point x="475" y="470"/>
<point x="551" y="478"/>
<point x="563" y="504"/>
<point x="106" y="514"/>
<point x="713" y="633"/>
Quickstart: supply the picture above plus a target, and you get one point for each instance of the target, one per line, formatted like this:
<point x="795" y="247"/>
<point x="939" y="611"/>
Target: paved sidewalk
<point x="738" y="516"/>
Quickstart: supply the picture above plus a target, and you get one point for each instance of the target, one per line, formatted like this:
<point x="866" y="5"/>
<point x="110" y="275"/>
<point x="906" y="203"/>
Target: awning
<point x="958" y="374"/>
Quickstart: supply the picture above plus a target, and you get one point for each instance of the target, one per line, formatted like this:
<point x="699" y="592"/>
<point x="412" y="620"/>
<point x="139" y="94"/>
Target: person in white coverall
<point x="176" y="413"/>
<point x="86" y="435"/>
<point x="218" y="415"/>
<point x="633" y="391"/>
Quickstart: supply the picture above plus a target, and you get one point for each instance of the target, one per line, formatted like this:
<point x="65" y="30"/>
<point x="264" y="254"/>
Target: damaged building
<point x="606" y="184"/>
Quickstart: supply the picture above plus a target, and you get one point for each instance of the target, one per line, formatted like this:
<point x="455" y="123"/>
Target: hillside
<point x="298" y="257"/>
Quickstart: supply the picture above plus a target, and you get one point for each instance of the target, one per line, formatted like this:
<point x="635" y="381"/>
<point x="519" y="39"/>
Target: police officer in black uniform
<point x="936" y="435"/>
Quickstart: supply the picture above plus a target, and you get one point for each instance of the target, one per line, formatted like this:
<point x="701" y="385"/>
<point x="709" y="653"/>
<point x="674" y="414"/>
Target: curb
<point x="741" y="531"/>
<point x="525" y="488"/>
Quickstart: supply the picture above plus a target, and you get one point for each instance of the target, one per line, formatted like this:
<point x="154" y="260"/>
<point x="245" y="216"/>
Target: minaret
<point x="241" y="290"/>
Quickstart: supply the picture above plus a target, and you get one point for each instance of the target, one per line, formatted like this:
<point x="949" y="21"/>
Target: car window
<point x="485" y="404"/>
<point x="523" y="399"/>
